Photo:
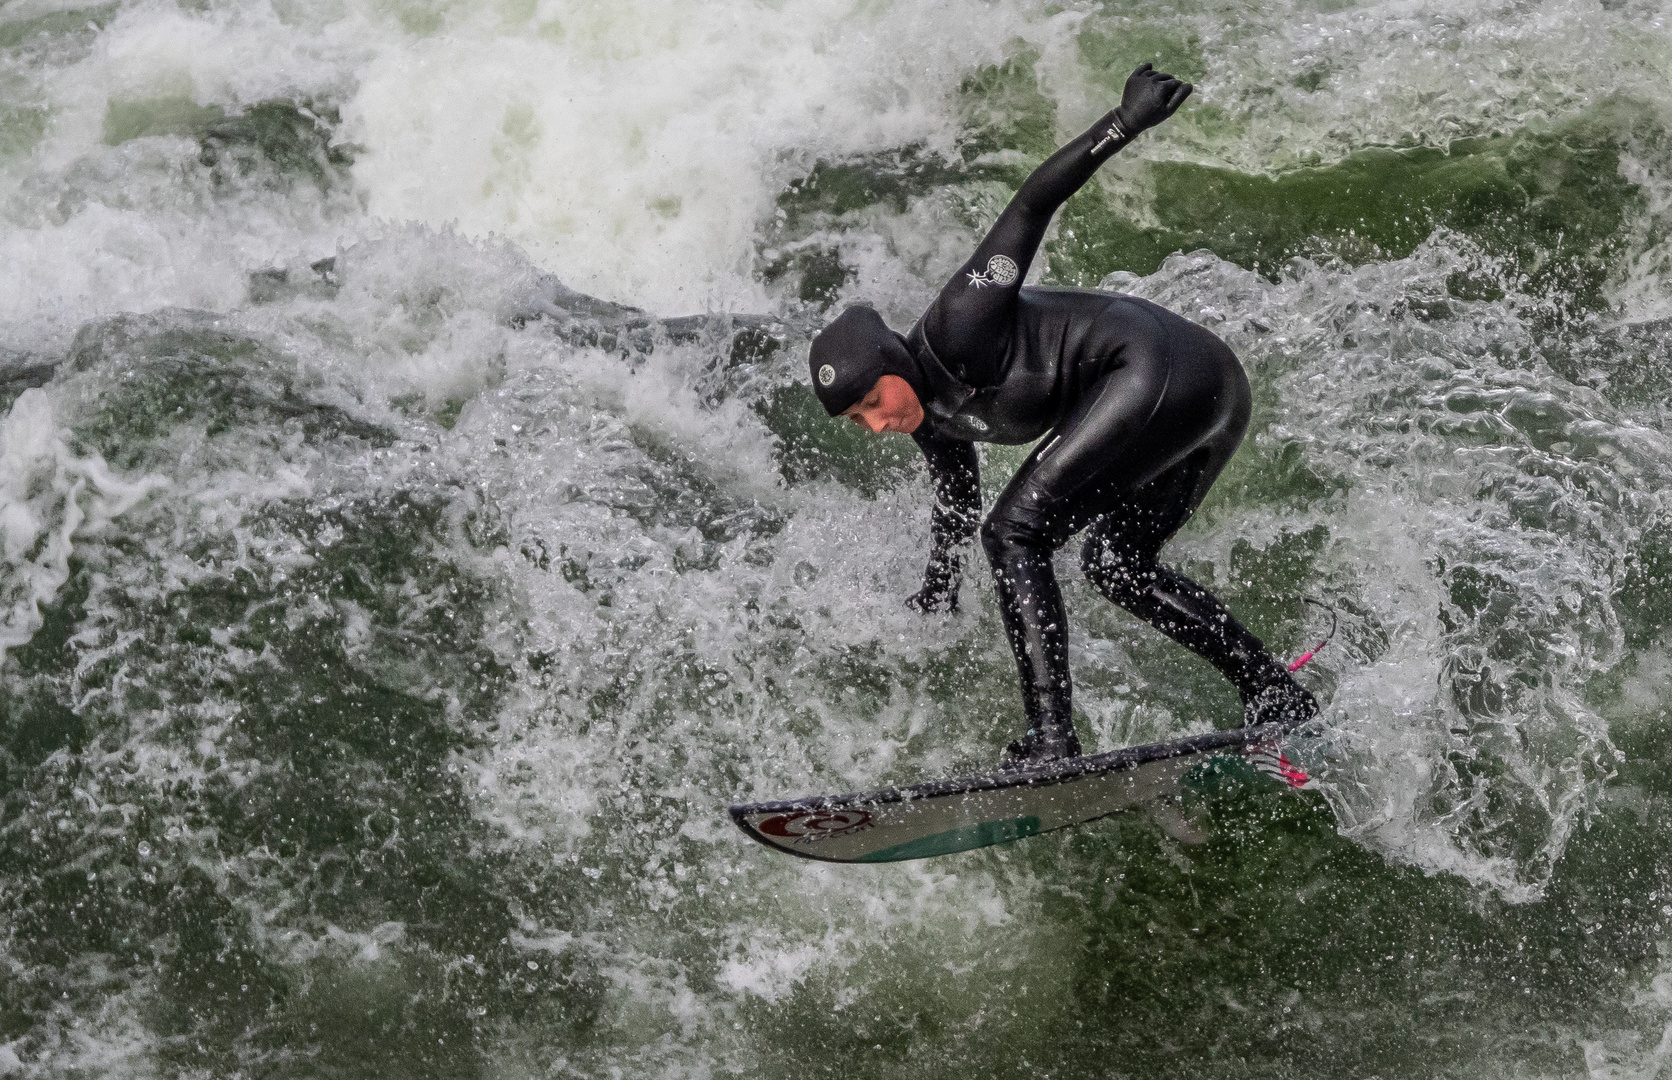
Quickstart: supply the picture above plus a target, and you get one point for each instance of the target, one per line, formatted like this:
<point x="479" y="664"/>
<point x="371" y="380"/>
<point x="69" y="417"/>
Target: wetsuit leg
<point x="1119" y="557"/>
<point x="1108" y="445"/>
<point x="1031" y="606"/>
<point x="1135" y="455"/>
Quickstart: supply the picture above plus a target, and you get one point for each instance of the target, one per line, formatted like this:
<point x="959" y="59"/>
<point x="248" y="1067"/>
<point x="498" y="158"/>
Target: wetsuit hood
<point x="852" y="353"/>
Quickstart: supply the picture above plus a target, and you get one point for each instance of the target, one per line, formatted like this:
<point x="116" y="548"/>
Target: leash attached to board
<point x="1305" y="657"/>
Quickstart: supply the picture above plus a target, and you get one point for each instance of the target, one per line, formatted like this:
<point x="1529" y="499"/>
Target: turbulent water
<point x="415" y="530"/>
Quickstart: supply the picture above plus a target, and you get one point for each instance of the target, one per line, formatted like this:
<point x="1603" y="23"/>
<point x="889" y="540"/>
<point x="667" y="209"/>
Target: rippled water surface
<point x="414" y="532"/>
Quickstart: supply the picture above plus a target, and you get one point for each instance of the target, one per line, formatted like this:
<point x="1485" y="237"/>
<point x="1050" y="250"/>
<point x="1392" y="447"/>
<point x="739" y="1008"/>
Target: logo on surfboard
<point x="811" y="825"/>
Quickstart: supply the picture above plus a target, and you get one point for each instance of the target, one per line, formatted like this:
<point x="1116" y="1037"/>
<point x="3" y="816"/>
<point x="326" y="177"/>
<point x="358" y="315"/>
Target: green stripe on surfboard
<point x="970" y="836"/>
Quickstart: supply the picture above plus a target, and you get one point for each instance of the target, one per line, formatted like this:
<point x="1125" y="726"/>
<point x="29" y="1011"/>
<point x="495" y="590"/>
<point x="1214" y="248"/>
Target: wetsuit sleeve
<point x="956" y="472"/>
<point x="968" y="325"/>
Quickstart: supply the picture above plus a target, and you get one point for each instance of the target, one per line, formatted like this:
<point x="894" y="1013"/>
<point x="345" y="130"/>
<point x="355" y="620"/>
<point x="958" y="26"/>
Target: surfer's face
<point x="890" y="405"/>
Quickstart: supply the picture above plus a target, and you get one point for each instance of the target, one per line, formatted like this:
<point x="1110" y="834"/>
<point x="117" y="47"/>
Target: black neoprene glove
<point x="929" y="601"/>
<point x="940" y="589"/>
<point x="1150" y="97"/>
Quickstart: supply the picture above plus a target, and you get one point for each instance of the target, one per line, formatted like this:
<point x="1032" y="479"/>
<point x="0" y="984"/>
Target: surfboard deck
<point x="940" y="817"/>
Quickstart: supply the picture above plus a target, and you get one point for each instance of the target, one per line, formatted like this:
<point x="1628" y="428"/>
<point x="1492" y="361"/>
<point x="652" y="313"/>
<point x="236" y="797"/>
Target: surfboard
<point x="962" y="813"/>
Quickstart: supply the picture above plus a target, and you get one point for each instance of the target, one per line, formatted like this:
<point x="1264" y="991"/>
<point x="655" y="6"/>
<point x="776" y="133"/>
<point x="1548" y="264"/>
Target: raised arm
<point x="968" y="323"/>
<point x="956" y="472"/>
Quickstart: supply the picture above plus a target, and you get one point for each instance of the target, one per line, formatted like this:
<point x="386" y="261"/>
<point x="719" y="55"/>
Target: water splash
<point x="48" y="497"/>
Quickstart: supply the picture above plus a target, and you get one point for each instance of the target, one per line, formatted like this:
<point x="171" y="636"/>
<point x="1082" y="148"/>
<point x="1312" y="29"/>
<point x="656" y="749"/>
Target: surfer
<point x="1139" y="410"/>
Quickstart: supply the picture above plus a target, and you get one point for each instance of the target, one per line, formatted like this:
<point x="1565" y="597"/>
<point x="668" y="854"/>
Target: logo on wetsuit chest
<point x="1001" y="270"/>
<point x="974" y="422"/>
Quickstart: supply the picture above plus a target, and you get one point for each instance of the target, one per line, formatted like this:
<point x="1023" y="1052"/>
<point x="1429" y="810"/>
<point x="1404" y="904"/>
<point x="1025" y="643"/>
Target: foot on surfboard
<point x="1039" y="746"/>
<point x="1287" y="703"/>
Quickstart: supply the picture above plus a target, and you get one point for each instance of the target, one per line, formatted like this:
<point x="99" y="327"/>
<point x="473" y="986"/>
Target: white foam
<point x="48" y="496"/>
<point x="629" y="150"/>
<point x="1445" y="438"/>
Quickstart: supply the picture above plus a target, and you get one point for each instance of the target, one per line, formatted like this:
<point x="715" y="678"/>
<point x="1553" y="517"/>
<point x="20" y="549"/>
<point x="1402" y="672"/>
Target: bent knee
<point x="1004" y="535"/>
<point x="1118" y="572"/>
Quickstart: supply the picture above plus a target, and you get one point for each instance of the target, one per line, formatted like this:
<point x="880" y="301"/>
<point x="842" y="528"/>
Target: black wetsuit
<point x="1140" y="409"/>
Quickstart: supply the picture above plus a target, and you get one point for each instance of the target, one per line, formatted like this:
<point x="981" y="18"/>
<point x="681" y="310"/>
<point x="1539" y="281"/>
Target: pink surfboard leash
<point x="1310" y="653"/>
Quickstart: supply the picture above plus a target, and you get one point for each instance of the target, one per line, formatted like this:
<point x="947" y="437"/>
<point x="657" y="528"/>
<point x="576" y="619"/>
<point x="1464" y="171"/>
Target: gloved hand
<point x="931" y="598"/>
<point x="1151" y="96"/>
<point x="940" y="583"/>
